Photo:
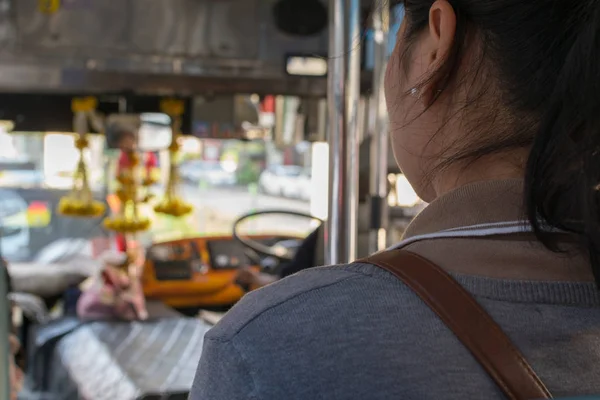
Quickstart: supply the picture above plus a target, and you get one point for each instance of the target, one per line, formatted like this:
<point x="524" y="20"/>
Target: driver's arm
<point x="263" y="279"/>
<point x="253" y="279"/>
<point x="305" y="256"/>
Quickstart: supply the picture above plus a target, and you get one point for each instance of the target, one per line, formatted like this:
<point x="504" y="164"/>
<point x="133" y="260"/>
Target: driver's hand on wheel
<point x="246" y="277"/>
<point x="250" y="279"/>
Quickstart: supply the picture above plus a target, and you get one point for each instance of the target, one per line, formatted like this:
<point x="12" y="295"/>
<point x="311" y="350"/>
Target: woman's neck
<point x="510" y="165"/>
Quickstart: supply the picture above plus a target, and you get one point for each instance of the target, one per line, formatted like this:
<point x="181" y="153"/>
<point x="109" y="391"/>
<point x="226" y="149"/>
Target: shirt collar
<point x="477" y="203"/>
<point x="513" y="256"/>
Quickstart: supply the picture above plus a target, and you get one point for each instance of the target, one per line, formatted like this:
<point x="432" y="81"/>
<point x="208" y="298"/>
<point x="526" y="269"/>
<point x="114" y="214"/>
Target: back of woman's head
<point x="527" y="75"/>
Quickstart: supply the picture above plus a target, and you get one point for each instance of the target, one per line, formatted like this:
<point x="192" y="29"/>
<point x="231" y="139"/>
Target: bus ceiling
<point x="157" y="47"/>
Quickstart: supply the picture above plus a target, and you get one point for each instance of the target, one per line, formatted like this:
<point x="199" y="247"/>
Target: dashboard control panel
<point x="198" y="272"/>
<point x="226" y="254"/>
<point x="187" y="259"/>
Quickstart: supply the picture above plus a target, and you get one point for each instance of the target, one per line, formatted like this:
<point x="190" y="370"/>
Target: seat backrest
<point x="50" y="280"/>
<point x="320" y="249"/>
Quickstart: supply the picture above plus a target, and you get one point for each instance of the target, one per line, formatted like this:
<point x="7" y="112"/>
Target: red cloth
<point x="151" y="160"/>
<point x="121" y="243"/>
<point x="124" y="162"/>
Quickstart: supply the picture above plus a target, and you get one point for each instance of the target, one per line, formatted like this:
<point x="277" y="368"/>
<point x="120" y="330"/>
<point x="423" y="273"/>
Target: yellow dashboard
<point x="197" y="272"/>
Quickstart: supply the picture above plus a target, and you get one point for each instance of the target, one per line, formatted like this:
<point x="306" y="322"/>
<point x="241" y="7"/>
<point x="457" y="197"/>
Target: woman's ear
<point x="437" y="45"/>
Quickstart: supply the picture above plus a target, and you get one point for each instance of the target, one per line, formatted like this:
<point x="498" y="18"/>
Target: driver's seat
<point x="319" y="248"/>
<point x="310" y="254"/>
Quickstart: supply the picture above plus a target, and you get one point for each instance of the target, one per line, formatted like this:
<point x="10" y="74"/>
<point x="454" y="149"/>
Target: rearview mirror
<point x="155" y="133"/>
<point x="306" y="66"/>
<point x="149" y="131"/>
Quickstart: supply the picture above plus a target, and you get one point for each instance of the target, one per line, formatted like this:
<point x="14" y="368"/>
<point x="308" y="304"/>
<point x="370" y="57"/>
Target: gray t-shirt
<point x="356" y="332"/>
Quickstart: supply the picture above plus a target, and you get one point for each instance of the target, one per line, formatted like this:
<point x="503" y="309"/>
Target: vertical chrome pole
<point x="335" y="251"/>
<point x="4" y="339"/>
<point x="380" y="136"/>
<point x="353" y="51"/>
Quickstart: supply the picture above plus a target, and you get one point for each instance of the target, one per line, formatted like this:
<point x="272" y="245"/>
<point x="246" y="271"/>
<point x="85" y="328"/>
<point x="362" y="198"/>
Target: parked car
<point x="299" y="187"/>
<point x="213" y="173"/>
<point x="17" y="173"/>
<point x="276" y="179"/>
<point x="14" y="227"/>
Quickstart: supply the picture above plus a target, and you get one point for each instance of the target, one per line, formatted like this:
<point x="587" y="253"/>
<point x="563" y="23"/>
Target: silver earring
<point x="414" y="92"/>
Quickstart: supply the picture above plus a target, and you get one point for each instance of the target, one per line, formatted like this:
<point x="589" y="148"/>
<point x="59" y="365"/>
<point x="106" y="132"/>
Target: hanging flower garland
<point x="80" y="201"/>
<point x="172" y="204"/>
<point x="132" y="192"/>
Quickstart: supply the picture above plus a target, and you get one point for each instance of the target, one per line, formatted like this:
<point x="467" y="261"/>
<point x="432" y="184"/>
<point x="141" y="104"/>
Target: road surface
<point x="237" y="201"/>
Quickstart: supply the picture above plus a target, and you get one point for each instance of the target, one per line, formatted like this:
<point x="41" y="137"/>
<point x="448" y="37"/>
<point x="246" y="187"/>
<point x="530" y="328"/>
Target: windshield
<point x="221" y="179"/>
<point x="36" y="170"/>
<point x="226" y="179"/>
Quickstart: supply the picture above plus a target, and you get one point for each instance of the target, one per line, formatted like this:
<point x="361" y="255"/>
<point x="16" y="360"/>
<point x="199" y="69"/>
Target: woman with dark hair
<point x="493" y="108"/>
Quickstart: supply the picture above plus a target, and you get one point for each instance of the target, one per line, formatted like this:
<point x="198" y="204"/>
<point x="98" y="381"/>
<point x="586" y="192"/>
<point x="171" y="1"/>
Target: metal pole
<point x="353" y="129"/>
<point x="5" y="353"/>
<point x="380" y="136"/>
<point x="335" y="245"/>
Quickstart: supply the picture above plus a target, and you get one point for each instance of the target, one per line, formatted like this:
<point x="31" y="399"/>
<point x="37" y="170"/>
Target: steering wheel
<point x="277" y="251"/>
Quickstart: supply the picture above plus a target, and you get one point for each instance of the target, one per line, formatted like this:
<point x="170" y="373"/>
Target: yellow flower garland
<point x="123" y="224"/>
<point x="172" y="204"/>
<point x="80" y="202"/>
<point x="74" y="207"/>
<point x="128" y="220"/>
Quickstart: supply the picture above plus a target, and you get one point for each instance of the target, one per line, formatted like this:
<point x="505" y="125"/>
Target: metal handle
<point x="343" y="95"/>
<point x="5" y="353"/>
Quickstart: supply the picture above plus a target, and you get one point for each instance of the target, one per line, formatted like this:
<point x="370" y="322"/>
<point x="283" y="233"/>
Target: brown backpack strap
<point x="468" y="320"/>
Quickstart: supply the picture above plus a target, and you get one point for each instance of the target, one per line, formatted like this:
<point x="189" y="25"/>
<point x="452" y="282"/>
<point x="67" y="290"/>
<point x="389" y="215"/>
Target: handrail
<point x="5" y="353"/>
<point x="379" y="133"/>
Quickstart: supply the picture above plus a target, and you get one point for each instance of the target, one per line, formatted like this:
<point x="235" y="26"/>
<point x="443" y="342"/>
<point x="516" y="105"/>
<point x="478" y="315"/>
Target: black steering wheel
<point x="277" y="251"/>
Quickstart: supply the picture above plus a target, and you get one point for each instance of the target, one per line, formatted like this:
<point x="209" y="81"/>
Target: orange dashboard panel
<point x="195" y="272"/>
